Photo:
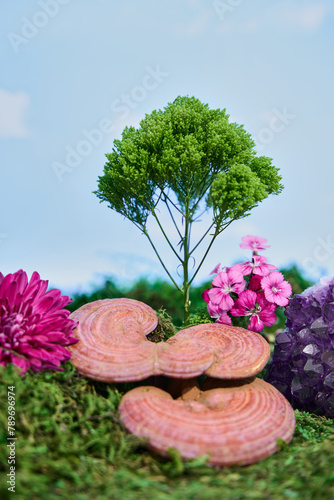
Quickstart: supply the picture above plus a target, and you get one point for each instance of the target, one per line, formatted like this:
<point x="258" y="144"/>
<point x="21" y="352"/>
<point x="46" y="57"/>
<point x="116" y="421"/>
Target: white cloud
<point x="327" y="199"/>
<point x="12" y="111"/>
<point x="284" y="16"/>
<point x="194" y="4"/>
<point x="195" y="26"/>
<point x="307" y="18"/>
<point x="251" y="26"/>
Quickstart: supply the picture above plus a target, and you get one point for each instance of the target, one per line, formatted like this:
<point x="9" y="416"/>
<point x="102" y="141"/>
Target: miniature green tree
<point x="186" y="157"/>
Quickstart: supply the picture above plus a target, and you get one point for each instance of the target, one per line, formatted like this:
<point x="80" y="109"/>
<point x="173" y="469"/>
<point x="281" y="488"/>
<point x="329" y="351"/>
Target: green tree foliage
<point x="294" y="276"/>
<point x="188" y="158"/>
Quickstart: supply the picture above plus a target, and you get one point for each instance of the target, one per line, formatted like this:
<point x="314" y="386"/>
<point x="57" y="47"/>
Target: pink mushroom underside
<point x="237" y="425"/>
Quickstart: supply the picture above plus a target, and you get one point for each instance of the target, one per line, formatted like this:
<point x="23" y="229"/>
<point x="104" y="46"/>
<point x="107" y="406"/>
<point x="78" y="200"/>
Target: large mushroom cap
<point x="237" y="353"/>
<point x="235" y="425"/>
<point x="113" y="346"/>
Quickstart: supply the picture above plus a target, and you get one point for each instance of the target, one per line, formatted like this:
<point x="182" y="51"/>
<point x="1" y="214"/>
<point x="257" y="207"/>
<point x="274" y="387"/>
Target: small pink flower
<point x="213" y="310"/>
<point x="255" y="283"/>
<point x="258" y="265"/>
<point x="225" y="283"/>
<point x="219" y="269"/>
<point x="254" y="243"/>
<point x="34" y="327"/>
<point x="224" y="319"/>
<point x="276" y="289"/>
<point x="261" y="312"/>
<point x="205" y="296"/>
<point x="221" y="316"/>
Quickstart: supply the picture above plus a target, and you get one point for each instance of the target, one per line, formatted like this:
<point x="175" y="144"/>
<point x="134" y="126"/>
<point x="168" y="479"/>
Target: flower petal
<point x="225" y="319"/>
<point x="220" y="280"/>
<point x="254" y="243"/>
<point x="205" y="296"/>
<point x="215" y="295"/>
<point x="256" y="324"/>
<point x="33" y="324"/>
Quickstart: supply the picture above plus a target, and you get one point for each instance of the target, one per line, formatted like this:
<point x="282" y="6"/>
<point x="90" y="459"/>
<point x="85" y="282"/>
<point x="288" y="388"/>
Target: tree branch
<point x="172" y="217"/>
<point x="161" y="262"/>
<point x="200" y="241"/>
<point x="204" y="256"/>
<point x="217" y="232"/>
<point x="199" y="215"/>
<point x="158" y="199"/>
<point x="201" y="196"/>
<point x="226" y="225"/>
<point x="165" y="235"/>
<point x="176" y="207"/>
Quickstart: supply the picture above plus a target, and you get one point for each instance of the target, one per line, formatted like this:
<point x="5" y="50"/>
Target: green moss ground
<point x="70" y="444"/>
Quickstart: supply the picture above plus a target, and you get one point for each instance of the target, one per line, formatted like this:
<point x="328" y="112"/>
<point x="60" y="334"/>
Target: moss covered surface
<point x="70" y="444"/>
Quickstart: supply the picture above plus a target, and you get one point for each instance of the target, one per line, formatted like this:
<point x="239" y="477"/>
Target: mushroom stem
<point x="184" y="389"/>
<point x="158" y="381"/>
<point x="190" y="390"/>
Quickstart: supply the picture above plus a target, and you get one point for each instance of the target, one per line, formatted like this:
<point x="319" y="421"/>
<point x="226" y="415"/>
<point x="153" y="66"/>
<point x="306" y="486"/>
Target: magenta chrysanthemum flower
<point x="258" y="265"/>
<point x="261" y="312"/>
<point x="254" y="243"/>
<point x="34" y="327"/>
<point x="276" y="289"/>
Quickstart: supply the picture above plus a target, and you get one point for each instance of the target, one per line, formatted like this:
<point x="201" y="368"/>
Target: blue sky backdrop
<point x="74" y="73"/>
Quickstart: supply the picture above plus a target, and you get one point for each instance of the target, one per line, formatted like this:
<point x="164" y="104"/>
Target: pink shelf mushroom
<point x="236" y="425"/>
<point x="237" y="353"/>
<point x="235" y="418"/>
<point x="113" y="346"/>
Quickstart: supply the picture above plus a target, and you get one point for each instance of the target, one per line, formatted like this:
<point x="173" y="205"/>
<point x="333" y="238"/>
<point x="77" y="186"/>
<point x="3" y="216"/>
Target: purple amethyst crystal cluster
<point x="302" y="367"/>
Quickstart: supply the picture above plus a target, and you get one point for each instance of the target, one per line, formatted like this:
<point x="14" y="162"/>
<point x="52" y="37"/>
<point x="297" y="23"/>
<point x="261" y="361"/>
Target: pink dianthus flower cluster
<point x="252" y="289"/>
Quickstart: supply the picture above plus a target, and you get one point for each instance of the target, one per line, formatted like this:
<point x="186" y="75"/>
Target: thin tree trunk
<point x="186" y="284"/>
